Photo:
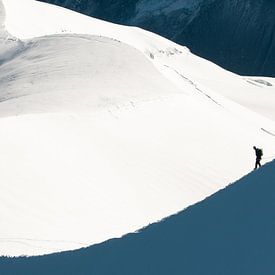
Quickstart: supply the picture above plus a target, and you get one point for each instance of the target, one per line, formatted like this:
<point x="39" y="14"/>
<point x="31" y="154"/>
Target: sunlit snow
<point x="106" y="128"/>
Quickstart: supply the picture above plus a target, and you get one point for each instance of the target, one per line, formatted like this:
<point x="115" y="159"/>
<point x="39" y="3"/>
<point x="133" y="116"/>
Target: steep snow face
<point x="231" y="232"/>
<point x="220" y="30"/>
<point x="105" y="129"/>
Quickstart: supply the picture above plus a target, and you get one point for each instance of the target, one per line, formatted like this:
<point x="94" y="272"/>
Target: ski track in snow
<point x="193" y="84"/>
<point x="268" y="132"/>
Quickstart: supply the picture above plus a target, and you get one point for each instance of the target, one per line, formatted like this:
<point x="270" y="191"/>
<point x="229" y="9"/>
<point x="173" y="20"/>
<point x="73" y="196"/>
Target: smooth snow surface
<point x="231" y="232"/>
<point x="105" y="128"/>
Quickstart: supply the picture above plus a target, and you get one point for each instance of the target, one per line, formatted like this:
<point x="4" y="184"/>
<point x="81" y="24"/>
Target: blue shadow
<point x="229" y="233"/>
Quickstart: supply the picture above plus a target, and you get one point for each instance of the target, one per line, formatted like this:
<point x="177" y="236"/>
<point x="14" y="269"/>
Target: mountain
<point x="105" y="128"/>
<point x="238" y="35"/>
<point x="231" y="232"/>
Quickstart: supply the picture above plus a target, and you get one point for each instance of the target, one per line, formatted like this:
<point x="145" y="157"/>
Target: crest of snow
<point x="231" y="232"/>
<point x="97" y="140"/>
<point x="24" y="21"/>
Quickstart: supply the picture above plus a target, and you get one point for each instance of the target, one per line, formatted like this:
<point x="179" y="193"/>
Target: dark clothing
<point x="258" y="153"/>
<point x="257" y="163"/>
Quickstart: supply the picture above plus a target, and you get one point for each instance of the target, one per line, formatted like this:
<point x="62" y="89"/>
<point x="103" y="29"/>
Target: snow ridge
<point x="106" y="129"/>
<point x="231" y="232"/>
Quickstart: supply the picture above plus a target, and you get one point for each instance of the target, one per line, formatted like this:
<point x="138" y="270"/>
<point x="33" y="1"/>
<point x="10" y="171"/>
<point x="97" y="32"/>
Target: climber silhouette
<point x="259" y="153"/>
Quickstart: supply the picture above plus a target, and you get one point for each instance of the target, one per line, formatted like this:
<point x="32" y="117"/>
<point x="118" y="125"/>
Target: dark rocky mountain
<point x="239" y="35"/>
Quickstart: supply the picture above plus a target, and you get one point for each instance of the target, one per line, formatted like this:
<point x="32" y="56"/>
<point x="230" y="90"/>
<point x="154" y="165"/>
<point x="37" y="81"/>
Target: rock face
<point x="115" y="11"/>
<point x="239" y="35"/>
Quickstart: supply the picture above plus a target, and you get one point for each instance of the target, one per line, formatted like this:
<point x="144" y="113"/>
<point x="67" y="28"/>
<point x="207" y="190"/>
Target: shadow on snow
<point x="231" y="232"/>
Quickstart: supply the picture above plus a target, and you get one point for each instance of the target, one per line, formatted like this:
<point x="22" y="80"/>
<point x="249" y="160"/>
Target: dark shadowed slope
<point x="231" y="232"/>
<point x="236" y="34"/>
<point x="239" y="35"/>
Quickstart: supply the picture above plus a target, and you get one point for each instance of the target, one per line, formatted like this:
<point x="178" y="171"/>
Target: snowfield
<point x="231" y="232"/>
<point x="106" y="128"/>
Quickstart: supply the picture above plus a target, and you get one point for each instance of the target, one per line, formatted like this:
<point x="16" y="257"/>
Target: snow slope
<point x="231" y="232"/>
<point x="105" y="128"/>
<point x="180" y="64"/>
<point x="222" y="31"/>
